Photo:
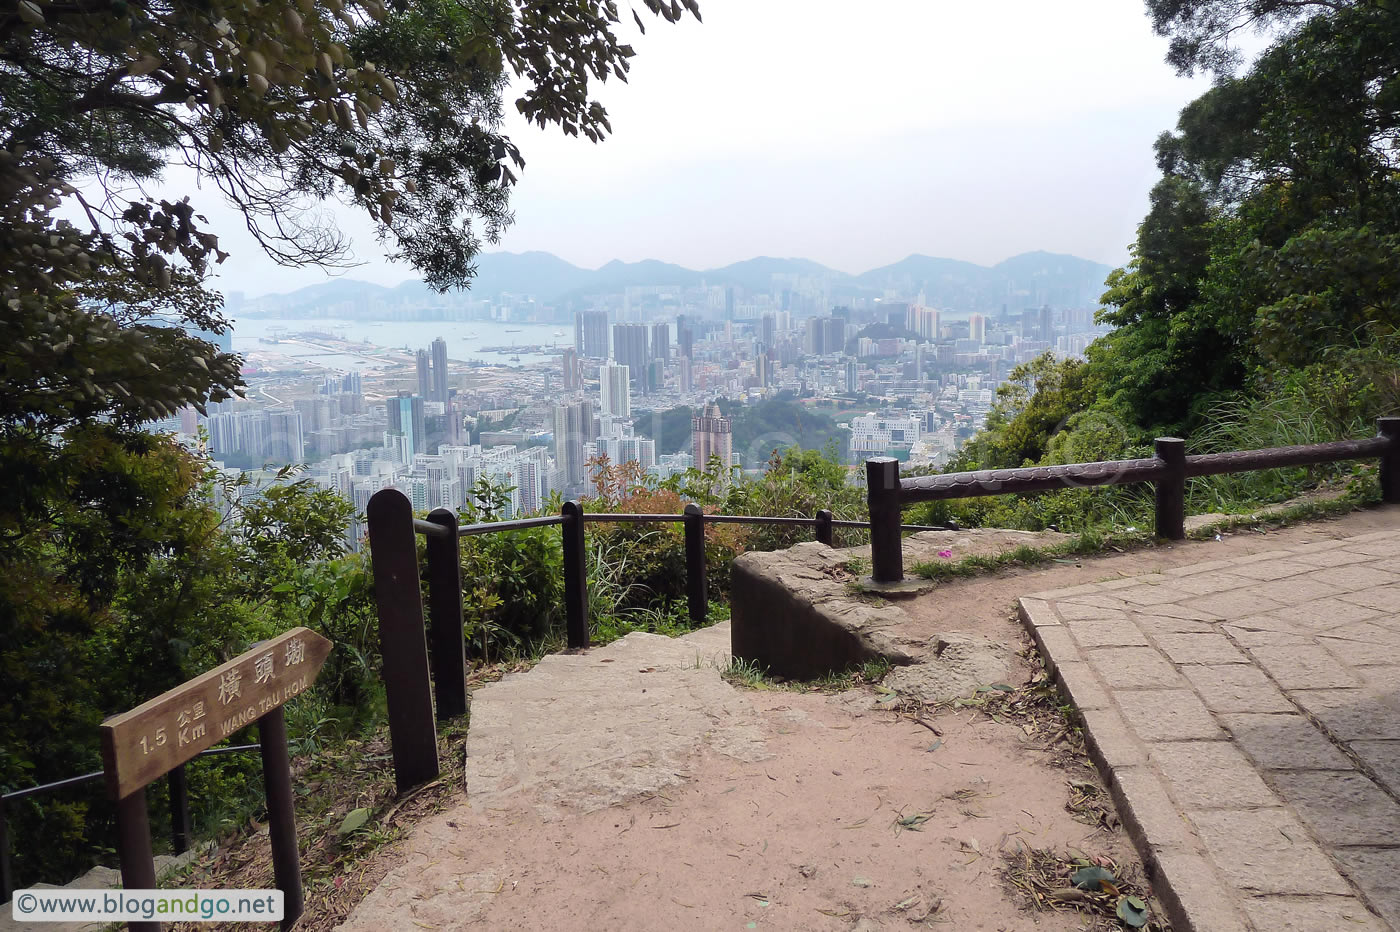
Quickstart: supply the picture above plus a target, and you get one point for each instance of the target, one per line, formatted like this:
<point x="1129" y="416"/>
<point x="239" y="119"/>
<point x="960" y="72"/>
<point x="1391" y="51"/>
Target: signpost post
<point x="157" y="736"/>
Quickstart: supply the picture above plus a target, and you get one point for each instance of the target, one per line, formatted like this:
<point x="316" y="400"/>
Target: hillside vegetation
<point x="1262" y="301"/>
<point x="772" y="425"/>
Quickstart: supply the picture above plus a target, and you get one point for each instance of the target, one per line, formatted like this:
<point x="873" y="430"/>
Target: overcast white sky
<point x="851" y="134"/>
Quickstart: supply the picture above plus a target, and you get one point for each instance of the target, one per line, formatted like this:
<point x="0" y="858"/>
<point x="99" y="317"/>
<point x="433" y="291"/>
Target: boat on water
<point x="560" y="333"/>
<point x="512" y="330"/>
<point x="515" y="359"/>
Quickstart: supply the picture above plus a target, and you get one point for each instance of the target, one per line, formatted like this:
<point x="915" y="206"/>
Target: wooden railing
<point x="1168" y="470"/>
<point x="410" y="652"/>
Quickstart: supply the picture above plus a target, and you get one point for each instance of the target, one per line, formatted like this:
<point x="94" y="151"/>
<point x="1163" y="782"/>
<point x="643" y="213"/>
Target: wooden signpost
<point x="157" y="736"/>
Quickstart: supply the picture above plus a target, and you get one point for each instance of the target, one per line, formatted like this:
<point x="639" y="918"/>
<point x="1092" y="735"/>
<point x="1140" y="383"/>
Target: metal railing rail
<point x="411" y="651"/>
<point x="180" y="823"/>
<point x="1168" y="470"/>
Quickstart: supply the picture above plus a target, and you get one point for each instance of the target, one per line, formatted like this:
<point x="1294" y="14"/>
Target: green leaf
<point x="1090" y="878"/>
<point x="915" y="820"/>
<point x="355" y="820"/>
<point x="1132" y="911"/>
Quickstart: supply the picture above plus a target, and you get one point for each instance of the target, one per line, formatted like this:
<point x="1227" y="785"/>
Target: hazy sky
<point x="851" y="134"/>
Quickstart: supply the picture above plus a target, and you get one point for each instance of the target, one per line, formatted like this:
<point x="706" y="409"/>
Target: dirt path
<point x="804" y="834"/>
<point x="631" y="787"/>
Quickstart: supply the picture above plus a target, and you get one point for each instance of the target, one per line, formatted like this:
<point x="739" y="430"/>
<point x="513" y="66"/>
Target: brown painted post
<point x="882" y="494"/>
<point x="1390" y="460"/>
<point x="1171" y="490"/>
<point x="449" y="649"/>
<point x="575" y="576"/>
<point x="180" y="828"/>
<point x="824" y="529"/>
<point x="134" y="850"/>
<point x="393" y="549"/>
<point x="281" y="821"/>
<point x="696" y="584"/>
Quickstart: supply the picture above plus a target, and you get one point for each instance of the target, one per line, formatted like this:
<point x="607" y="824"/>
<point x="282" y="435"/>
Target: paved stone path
<point x="1247" y="714"/>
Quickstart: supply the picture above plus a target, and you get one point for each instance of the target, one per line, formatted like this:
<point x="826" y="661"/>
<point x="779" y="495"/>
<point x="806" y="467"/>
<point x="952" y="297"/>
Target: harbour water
<point x="465" y="339"/>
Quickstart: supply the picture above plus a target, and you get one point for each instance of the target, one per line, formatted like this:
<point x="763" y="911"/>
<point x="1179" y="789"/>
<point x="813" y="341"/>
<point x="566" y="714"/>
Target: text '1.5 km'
<point x="159" y="735"/>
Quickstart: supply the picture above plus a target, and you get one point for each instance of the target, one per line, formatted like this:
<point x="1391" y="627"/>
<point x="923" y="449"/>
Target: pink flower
<point x="945" y="554"/>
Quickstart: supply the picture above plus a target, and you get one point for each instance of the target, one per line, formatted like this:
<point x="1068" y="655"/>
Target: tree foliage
<point x="1204" y="33"/>
<point x="1268" y="264"/>
<point x="394" y="108"/>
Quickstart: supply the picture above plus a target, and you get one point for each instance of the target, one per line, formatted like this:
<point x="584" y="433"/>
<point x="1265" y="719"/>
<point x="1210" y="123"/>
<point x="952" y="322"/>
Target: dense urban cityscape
<point x="651" y="374"/>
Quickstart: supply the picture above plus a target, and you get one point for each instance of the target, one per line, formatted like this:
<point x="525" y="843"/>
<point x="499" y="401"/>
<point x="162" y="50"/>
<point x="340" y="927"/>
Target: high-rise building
<point x="615" y="388"/>
<point x="630" y="348"/>
<point x="1047" y="324"/>
<point x="835" y="336"/>
<point x="573" y="374"/>
<point x="711" y="434"/>
<point x="439" y="392"/>
<point x="641" y="450"/>
<point x="977" y="328"/>
<point x="729" y="303"/>
<point x="591" y="334"/>
<point x="425" y="378"/>
<point x="826" y="335"/>
<point x="768" y="332"/>
<point x="921" y="321"/>
<point x="407" y="435"/>
<point x="286" y="443"/>
<point x="661" y="342"/>
<point x="687" y="374"/>
<point x="656" y="377"/>
<point x="685" y="337"/>
<point x="573" y="425"/>
<point x="852" y="376"/>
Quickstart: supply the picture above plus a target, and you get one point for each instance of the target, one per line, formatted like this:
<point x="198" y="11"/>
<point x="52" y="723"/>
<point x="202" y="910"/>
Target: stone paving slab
<point x="1246" y="715"/>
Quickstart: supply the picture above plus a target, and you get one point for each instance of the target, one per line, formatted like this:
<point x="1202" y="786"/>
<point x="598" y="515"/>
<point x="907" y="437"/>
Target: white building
<point x="881" y="433"/>
<point x="616" y="392"/>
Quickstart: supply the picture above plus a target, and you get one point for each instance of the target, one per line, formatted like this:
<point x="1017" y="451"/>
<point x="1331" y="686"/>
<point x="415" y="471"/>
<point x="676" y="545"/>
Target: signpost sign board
<point x="155" y="737"/>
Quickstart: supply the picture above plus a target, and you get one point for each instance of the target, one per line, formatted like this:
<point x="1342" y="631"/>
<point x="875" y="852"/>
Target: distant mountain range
<point x="1027" y="280"/>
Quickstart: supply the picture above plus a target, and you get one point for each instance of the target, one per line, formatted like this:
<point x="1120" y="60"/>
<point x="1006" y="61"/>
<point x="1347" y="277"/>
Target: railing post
<point x="824" y="526"/>
<point x="448" y="652"/>
<point x="575" y="576"/>
<point x="696" y="585"/>
<point x="882" y="494"/>
<point x="134" y="851"/>
<point x="180" y="828"/>
<point x="1171" y="489"/>
<point x="1390" y="460"/>
<point x="402" y="643"/>
<point x="281" y="819"/>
